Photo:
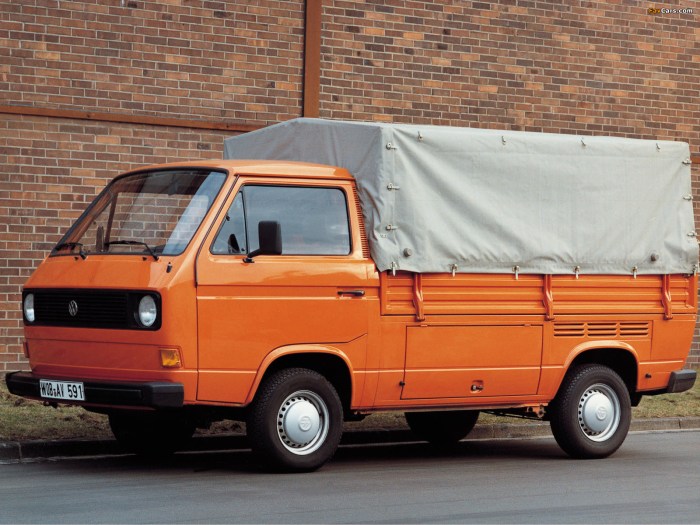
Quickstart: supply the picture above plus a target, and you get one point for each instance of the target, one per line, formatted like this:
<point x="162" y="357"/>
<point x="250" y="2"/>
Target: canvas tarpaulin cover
<point x="442" y="199"/>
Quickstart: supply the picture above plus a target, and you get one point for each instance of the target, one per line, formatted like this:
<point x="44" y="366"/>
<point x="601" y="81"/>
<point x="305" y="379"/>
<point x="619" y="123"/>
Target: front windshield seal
<point x="154" y="213"/>
<point x="131" y="243"/>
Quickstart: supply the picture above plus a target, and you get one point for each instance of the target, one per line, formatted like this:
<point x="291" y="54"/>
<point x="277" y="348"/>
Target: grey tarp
<point x="479" y="200"/>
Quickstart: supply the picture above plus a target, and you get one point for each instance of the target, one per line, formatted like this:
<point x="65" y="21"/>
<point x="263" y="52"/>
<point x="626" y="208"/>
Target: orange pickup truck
<point x="194" y="292"/>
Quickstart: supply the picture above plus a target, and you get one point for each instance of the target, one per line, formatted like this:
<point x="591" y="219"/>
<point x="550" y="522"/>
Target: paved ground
<point x="654" y="478"/>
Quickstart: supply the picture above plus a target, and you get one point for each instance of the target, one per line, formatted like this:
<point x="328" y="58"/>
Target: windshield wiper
<point x="139" y="243"/>
<point x="72" y="244"/>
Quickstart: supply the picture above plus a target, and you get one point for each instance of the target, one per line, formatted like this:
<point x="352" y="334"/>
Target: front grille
<point x="89" y="308"/>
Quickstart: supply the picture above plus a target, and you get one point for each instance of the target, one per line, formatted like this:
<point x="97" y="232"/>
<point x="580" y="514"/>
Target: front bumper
<point x="149" y="394"/>
<point x="681" y="380"/>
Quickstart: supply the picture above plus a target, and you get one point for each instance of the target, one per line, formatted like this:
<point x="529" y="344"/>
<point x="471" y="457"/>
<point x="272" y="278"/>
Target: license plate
<point x="66" y="390"/>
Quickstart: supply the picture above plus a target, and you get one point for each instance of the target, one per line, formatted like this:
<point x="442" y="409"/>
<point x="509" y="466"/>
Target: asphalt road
<point x="654" y="478"/>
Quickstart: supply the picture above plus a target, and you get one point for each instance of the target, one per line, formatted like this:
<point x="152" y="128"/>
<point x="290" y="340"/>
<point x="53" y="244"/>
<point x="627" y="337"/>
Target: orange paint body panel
<point x="461" y="361"/>
<point x="479" y="341"/>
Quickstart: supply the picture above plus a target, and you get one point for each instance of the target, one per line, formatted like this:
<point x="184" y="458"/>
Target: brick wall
<point x="238" y="61"/>
<point x="607" y="68"/>
<point x="604" y="67"/>
<point x="694" y="357"/>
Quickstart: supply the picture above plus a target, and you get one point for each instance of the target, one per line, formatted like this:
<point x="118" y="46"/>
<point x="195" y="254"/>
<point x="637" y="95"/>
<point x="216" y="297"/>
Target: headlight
<point x="148" y="311"/>
<point x="29" y="308"/>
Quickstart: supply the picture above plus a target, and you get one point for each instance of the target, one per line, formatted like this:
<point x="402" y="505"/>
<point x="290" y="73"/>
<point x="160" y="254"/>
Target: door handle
<point x="354" y="293"/>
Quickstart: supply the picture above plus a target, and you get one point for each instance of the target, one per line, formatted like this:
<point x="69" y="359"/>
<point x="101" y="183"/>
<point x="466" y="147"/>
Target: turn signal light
<point x="170" y="358"/>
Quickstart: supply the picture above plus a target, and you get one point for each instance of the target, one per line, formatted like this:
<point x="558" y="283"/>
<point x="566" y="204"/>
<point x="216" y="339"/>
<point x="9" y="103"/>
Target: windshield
<point x="151" y="213"/>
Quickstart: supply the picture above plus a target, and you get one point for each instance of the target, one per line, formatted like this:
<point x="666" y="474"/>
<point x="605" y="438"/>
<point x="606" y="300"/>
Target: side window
<point x="314" y="221"/>
<point x="231" y="238"/>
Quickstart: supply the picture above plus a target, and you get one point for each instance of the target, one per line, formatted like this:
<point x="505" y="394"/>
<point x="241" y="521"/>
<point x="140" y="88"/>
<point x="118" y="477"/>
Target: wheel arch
<point x="328" y="361"/>
<point x="617" y="355"/>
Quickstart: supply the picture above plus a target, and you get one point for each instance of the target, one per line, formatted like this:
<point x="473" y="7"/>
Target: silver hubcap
<point x="599" y="412"/>
<point x="302" y="422"/>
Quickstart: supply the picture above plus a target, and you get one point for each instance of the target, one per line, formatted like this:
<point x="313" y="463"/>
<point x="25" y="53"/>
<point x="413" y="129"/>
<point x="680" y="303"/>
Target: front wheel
<point x="296" y="421"/>
<point x="591" y="415"/>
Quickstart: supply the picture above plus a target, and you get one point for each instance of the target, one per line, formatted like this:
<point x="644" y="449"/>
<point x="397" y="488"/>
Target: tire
<point x="151" y="434"/>
<point x="591" y="414"/>
<point x="442" y="428"/>
<point x="295" y="421"/>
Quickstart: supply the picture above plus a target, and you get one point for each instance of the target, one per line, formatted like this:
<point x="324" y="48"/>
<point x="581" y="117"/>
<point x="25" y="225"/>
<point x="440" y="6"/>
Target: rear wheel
<point x="442" y="428"/>
<point x="151" y="433"/>
<point x="296" y="421"/>
<point x="591" y="415"/>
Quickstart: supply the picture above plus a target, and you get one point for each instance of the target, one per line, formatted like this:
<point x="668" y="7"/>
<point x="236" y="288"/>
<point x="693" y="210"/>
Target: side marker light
<point x="170" y="358"/>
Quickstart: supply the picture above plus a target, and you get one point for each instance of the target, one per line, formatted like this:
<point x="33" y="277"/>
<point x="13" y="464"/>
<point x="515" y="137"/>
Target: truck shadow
<point x="527" y="449"/>
<point x="348" y="457"/>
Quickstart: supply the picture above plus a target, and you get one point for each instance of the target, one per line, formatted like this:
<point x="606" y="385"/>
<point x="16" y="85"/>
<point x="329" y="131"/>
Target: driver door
<point x="309" y="298"/>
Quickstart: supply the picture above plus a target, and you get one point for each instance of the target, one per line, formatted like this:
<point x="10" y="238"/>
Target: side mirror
<point x="269" y="240"/>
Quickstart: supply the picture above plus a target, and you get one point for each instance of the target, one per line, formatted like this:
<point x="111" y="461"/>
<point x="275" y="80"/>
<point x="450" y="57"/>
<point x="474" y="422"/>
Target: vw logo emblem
<point x="73" y="308"/>
<point x="601" y="413"/>
<point x="305" y="423"/>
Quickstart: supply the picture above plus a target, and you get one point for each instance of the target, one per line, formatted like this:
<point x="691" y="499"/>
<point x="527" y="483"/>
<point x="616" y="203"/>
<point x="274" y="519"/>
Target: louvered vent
<point x="569" y="329"/>
<point x="634" y="329"/>
<point x="601" y="329"/>
<point x="363" y="232"/>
